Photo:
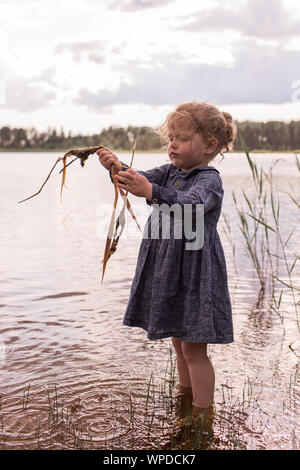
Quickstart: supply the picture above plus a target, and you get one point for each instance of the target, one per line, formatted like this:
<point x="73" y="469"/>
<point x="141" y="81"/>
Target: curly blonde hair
<point x="204" y="118"/>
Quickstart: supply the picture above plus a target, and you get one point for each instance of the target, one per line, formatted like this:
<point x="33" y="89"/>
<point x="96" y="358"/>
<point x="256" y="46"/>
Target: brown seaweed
<point x="114" y="233"/>
<point x="115" y="227"/>
<point x="83" y="154"/>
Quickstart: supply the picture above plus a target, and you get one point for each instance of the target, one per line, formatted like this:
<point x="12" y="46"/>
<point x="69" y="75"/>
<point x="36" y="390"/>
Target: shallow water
<point x="72" y="375"/>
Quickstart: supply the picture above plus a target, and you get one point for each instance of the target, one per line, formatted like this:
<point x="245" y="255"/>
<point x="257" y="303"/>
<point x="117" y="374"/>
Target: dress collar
<point x="185" y="174"/>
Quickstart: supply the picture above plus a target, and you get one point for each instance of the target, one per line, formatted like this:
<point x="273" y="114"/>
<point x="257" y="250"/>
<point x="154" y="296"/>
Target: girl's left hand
<point x="134" y="183"/>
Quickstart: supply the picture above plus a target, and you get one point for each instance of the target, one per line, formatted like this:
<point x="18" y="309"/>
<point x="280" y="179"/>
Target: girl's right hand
<point x="108" y="159"/>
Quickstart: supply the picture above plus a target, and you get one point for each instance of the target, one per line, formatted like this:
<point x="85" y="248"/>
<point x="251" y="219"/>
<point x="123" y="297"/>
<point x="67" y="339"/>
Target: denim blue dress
<point x="177" y="291"/>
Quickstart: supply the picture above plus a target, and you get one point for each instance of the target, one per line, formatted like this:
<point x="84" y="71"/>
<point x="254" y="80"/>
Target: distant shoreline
<point x="63" y="151"/>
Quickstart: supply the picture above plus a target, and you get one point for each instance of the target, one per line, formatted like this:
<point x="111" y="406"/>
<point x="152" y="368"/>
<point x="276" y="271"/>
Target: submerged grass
<point x="153" y="420"/>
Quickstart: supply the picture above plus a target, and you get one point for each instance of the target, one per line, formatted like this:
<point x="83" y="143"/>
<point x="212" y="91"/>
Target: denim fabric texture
<point x="175" y="291"/>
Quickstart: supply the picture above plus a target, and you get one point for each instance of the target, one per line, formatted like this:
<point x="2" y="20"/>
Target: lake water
<point x="72" y="376"/>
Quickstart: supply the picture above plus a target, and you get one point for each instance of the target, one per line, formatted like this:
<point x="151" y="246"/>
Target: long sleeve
<point x="156" y="175"/>
<point x="207" y="190"/>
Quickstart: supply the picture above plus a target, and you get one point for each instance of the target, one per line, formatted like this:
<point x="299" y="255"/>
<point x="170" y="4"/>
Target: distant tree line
<point x="268" y="136"/>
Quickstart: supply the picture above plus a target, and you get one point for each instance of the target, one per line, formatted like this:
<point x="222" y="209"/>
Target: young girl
<point x="176" y="292"/>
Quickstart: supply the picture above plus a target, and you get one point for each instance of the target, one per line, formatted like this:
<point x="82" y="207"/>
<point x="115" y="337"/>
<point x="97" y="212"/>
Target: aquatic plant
<point x="116" y="225"/>
<point x="262" y="232"/>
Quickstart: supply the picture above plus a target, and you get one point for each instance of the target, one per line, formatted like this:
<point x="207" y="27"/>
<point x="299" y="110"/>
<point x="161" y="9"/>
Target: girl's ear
<point x="212" y="145"/>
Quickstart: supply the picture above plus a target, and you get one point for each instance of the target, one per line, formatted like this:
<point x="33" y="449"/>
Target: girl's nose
<point x="174" y="143"/>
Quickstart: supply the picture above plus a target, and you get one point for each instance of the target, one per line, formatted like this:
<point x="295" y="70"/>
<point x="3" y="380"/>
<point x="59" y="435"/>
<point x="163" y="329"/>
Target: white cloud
<point x="78" y="49"/>
<point x="259" y="75"/>
<point x="137" y="5"/>
<point x="24" y="95"/>
<point x="87" y="61"/>
<point x="266" y="19"/>
<point x="28" y="94"/>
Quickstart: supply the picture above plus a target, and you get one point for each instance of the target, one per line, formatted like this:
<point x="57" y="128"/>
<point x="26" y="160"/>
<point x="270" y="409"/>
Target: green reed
<point x="228" y="233"/>
<point x="54" y="406"/>
<point x="26" y="398"/>
<point x="260" y="225"/>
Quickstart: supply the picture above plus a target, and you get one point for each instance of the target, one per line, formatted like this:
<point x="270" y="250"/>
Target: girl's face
<point x="188" y="150"/>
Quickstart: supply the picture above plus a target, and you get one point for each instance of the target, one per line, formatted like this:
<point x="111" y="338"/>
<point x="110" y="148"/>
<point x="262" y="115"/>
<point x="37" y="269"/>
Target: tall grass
<point x="269" y="251"/>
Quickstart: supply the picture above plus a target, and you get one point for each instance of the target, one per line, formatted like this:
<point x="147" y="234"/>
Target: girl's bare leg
<point x="182" y="366"/>
<point x="201" y="372"/>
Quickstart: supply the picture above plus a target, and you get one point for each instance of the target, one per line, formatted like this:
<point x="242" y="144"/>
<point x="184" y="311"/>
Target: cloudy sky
<point x="88" y="64"/>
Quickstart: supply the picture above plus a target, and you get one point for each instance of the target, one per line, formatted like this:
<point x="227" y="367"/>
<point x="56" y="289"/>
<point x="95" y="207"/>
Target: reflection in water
<point x="62" y="294"/>
<point x="72" y="376"/>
